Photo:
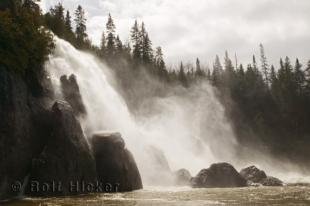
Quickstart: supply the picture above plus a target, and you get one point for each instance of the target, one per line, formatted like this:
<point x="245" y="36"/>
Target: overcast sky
<point x="187" y="29"/>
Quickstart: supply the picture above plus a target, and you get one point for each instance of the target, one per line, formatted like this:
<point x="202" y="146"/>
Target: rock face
<point x="22" y="120"/>
<point x="182" y="177"/>
<point x="71" y="93"/>
<point x="65" y="159"/>
<point x="115" y="164"/>
<point x="218" y="175"/>
<point x="253" y="174"/>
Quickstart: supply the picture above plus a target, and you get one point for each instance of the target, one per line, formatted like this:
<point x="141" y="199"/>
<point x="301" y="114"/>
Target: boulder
<point x="71" y="92"/>
<point x="182" y="177"/>
<point x="256" y="177"/>
<point x="218" y="175"/>
<point x="271" y="181"/>
<point x="253" y="174"/>
<point x="116" y="165"/>
<point x="66" y="162"/>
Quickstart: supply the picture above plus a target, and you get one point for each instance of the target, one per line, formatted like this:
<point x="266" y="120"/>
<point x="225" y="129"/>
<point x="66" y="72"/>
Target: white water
<point x="191" y="130"/>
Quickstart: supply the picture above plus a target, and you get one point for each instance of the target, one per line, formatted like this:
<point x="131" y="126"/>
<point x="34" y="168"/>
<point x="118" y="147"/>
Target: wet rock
<point x="182" y="177"/>
<point x="115" y="164"/>
<point x="19" y="138"/>
<point x="255" y="177"/>
<point x="66" y="158"/>
<point x="218" y="175"/>
<point x="71" y="93"/>
<point x="253" y="174"/>
<point x="271" y="181"/>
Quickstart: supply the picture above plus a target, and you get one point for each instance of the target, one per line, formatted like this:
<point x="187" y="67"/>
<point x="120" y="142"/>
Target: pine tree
<point x="229" y="73"/>
<point x="264" y="64"/>
<point x="80" y="29"/>
<point x="103" y="44"/>
<point x="199" y="72"/>
<point x="300" y="78"/>
<point x="119" y="46"/>
<point x="110" y="26"/>
<point x="68" y="22"/>
<point x="136" y="41"/>
<point x="182" y="76"/>
<point x="147" y="51"/>
<point x="217" y="72"/>
<point x="159" y="59"/>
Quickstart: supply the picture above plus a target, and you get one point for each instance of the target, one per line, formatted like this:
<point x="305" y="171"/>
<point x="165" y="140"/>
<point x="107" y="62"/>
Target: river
<point x="183" y="196"/>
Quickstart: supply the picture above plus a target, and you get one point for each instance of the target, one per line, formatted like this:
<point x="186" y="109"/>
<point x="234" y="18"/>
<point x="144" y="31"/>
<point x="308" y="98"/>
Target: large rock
<point x="21" y="106"/>
<point x="182" y="177"/>
<point x="271" y="181"/>
<point x="218" y="175"/>
<point x="253" y="174"/>
<point x="66" y="159"/>
<point x="71" y="93"/>
<point x="255" y="177"/>
<point x="115" y="164"/>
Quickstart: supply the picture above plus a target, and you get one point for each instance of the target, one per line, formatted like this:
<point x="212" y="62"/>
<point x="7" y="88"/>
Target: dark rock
<point x="271" y="181"/>
<point x="20" y="138"/>
<point x="218" y="175"/>
<point x="115" y="164"/>
<point x="182" y="177"/>
<point x="255" y="177"/>
<point x="66" y="158"/>
<point x="71" y="93"/>
<point x="253" y="174"/>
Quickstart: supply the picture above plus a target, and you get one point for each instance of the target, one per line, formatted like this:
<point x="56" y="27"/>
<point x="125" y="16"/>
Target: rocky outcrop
<point x="71" y="92"/>
<point x="66" y="158"/>
<point x="218" y="175"/>
<point x="115" y="164"/>
<point x="182" y="177"/>
<point x="253" y="174"/>
<point x="22" y="121"/>
<point x="271" y="181"/>
<point x="255" y="177"/>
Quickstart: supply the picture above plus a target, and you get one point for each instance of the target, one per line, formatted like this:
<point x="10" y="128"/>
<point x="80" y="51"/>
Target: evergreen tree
<point x="159" y="59"/>
<point x="300" y="78"/>
<point x="147" y="51"/>
<point x="217" y="72"/>
<point x="264" y="64"/>
<point x="135" y="39"/>
<point x="110" y="26"/>
<point x="182" y="76"/>
<point x="199" y="72"/>
<point x="68" y="23"/>
<point x="103" y="44"/>
<point x="80" y="29"/>
<point x="119" y="46"/>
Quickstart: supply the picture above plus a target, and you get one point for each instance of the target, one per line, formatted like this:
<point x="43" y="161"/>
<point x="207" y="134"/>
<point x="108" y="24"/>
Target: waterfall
<point x="192" y="131"/>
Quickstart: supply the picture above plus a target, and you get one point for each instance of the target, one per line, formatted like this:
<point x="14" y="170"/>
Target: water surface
<point x="153" y="196"/>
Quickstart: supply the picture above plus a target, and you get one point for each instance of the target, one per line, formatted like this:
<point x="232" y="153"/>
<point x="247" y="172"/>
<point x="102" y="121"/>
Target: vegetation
<point x="24" y="44"/>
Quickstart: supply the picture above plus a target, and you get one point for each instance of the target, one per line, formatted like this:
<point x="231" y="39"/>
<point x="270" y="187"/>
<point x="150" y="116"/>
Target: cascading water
<point x="185" y="129"/>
